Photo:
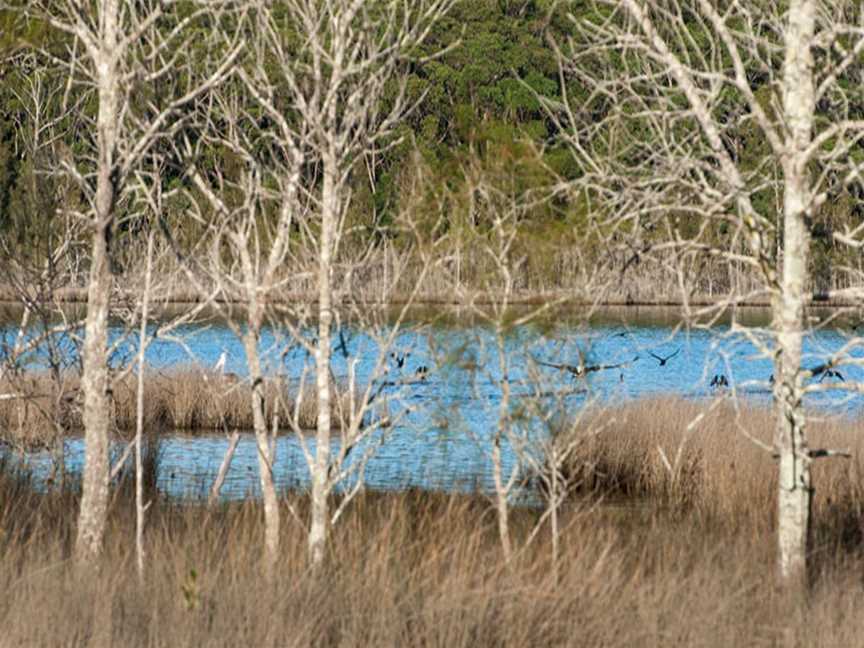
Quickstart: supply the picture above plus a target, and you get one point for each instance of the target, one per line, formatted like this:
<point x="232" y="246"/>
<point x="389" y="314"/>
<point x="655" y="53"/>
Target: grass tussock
<point x="189" y="399"/>
<point x="675" y="454"/>
<point x="409" y="569"/>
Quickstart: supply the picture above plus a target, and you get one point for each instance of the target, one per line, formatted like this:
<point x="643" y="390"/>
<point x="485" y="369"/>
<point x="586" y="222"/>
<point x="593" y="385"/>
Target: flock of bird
<point x="421" y="373"/>
<point x="718" y="381"/>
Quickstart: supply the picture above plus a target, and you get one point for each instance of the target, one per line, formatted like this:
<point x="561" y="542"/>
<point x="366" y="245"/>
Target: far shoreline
<point x="78" y="296"/>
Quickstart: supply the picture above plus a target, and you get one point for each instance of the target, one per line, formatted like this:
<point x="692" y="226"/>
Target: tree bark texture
<point x="795" y="492"/>
<point x="94" y="382"/>
<point x="318" y="528"/>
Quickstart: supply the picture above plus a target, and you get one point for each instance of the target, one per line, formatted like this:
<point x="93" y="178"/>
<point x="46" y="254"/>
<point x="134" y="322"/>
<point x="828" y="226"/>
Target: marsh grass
<point x="408" y="569"/>
<point x="186" y="399"/>
<point x="665" y="452"/>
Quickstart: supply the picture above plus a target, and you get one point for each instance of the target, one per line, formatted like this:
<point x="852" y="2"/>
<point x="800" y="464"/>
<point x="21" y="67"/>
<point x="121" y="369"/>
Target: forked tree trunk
<point x="795" y="492"/>
<point x="265" y="452"/>
<point x="94" y="382"/>
<point x="318" y="527"/>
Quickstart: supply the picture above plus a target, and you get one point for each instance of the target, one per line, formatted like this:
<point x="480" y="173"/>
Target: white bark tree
<point x="671" y="90"/>
<point x="251" y="211"/>
<point x="116" y="48"/>
<point x="524" y="441"/>
<point x="339" y="66"/>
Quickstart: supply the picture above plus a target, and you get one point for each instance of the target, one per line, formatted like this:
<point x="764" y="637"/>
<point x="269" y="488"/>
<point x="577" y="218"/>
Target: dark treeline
<point x="479" y="113"/>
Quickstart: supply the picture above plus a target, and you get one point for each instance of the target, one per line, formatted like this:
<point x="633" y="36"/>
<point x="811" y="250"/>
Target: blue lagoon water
<point x="444" y="423"/>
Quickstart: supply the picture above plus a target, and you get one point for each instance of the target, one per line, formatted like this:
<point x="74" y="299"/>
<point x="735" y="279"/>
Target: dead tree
<point x="745" y="128"/>
<point x="114" y="48"/>
<point x="520" y="443"/>
<point x="335" y="76"/>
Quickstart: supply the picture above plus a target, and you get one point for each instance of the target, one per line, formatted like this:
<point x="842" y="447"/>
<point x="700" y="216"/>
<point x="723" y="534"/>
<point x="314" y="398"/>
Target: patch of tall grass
<point x="408" y="569"/>
<point x="187" y="399"/>
<point x="715" y="463"/>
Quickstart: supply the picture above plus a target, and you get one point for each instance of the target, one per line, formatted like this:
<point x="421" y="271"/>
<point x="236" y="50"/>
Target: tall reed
<point x="188" y="399"/>
<point x="713" y="462"/>
<point x="407" y="569"/>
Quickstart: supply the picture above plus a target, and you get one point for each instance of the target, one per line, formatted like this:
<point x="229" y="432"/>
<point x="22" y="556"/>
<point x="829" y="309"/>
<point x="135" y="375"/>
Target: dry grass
<point x="644" y="451"/>
<point x="410" y="569"/>
<point x="189" y="399"/>
<point x="664" y="559"/>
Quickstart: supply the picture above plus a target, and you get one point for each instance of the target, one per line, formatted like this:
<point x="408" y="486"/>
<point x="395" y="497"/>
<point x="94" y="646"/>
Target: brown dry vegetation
<point x="659" y="561"/>
<point x="187" y="399"/>
<point x="714" y="470"/>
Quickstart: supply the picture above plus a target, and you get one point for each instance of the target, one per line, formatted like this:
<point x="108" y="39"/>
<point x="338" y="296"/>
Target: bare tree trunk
<point x="94" y="383"/>
<point x="140" y="509"/>
<point x="318" y="529"/>
<point x="265" y="450"/>
<point x="502" y="489"/>
<point x="555" y="501"/>
<point x="216" y="489"/>
<point x="795" y="492"/>
<point x="501" y="502"/>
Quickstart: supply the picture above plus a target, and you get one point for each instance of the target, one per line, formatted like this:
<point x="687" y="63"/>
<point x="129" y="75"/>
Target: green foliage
<point x="477" y="112"/>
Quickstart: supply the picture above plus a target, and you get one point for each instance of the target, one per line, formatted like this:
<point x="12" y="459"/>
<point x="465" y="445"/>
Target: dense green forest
<point x="478" y="112"/>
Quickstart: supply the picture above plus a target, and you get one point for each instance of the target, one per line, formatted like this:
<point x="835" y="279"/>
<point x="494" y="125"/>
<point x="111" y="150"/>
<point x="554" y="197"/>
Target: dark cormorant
<point x="399" y="358"/>
<point x="719" y="380"/>
<point x="342" y="346"/>
<point x="663" y="360"/>
<point x="825" y="371"/>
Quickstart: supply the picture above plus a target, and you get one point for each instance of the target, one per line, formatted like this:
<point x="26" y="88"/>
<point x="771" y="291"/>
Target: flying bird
<point x="399" y="358"/>
<point x="825" y="371"/>
<point x="719" y="380"/>
<point x="580" y="370"/>
<point x="664" y="360"/>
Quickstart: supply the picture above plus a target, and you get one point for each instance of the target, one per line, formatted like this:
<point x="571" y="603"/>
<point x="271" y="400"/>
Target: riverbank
<point x="714" y="459"/>
<point x="456" y="297"/>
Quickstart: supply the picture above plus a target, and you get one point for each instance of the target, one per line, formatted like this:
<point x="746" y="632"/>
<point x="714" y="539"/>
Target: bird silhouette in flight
<point x="663" y="360"/>
<point x="825" y="371"/>
<point x="399" y="358"/>
<point x="580" y="370"/>
<point x="719" y="380"/>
